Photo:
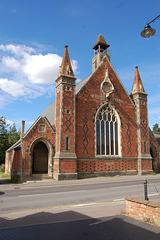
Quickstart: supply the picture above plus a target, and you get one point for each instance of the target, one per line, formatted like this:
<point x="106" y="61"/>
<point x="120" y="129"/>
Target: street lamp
<point x="148" y="31"/>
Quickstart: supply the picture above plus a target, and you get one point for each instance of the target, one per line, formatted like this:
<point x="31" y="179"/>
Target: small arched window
<point x="107" y="132"/>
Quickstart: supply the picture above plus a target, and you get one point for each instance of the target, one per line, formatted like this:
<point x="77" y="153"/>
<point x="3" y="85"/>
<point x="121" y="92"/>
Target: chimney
<point x="22" y="128"/>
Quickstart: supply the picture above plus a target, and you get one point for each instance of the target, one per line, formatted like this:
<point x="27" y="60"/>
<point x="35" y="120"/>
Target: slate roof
<point x="49" y="113"/>
<point x="80" y="85"/>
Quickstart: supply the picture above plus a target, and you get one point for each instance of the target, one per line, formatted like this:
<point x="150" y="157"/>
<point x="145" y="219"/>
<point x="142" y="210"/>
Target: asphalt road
<point x="34" y="196"/>
<point x="85" y="209"/>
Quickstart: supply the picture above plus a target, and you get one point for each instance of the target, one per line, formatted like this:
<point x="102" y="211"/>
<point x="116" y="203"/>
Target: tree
<point x="13" y="135"/>
<point x="3" y="138"/>
<point x="156" y="128"/>
<point x="7" y="137"/>
<point x="3" y="125"/>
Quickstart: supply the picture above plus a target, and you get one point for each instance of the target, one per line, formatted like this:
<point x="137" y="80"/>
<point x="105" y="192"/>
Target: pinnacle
<point x="66" y="67"/>
<point x="137" y="83"/>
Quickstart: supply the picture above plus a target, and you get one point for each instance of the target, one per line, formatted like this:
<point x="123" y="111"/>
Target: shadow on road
<point x="71" y="225"/>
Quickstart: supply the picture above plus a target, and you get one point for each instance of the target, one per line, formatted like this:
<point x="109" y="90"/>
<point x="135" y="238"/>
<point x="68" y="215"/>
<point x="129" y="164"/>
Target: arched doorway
<point x="40" y="158"/>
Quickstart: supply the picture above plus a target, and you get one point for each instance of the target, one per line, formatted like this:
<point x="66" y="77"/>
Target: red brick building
<point x="94" y="128"/>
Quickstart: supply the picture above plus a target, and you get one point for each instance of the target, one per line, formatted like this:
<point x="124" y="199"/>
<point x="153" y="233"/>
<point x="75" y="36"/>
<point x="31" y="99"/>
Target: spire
<point x="137" y="83"/>
<point x="66" y="67"/>
<point x="100" y="44"/>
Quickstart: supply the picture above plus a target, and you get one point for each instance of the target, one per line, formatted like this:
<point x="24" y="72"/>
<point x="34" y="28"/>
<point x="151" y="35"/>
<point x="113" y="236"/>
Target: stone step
<point x="36" y="177"/>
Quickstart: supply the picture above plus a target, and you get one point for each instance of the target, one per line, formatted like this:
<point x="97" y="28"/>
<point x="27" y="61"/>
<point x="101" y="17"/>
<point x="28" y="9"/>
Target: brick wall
<point x="34" y="136"/>
<point x="68" y="119"/>
<point x="144" y="125"/>
<point x="143" y="210"/>
<point x="58" y="118"/>
<point x="7" y="162"/>
<point x="17" y="160"/>
<point x="105" y="165"/>
<point x="88" y="102"/>
<point x="68" y="166"/>
<point x="147" y="165"/>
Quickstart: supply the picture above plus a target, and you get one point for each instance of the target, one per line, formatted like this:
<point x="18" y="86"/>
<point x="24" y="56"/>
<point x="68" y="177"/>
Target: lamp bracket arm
<point x="154" y="19"/>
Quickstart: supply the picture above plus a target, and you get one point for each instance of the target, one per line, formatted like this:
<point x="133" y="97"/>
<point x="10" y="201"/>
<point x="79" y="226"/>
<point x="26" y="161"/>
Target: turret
<point x="100" y="50"/>
<point x="65" y="157"/>
<point x="139" y="97"/>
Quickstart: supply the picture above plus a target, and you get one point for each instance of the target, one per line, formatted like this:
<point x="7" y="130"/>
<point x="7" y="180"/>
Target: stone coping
<point x="141" y="201"/>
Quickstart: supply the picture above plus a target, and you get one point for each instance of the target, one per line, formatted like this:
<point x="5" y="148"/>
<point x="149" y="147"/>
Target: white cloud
<point x="75" y="66"/>
<point x="28" y="73"/>
<point x="19" y="122"/>
<point x="11" y="87"/>
<point x="42" y="68"/>
<point x="9" y="122"/>
<point x="4" y="100"/>
<point x="29" y="122"/>
<point x="18" y="50"/>
<point x="11" y="63"/>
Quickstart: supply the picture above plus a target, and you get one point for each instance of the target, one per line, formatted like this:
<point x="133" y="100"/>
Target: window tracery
<point x="107" y="132"/>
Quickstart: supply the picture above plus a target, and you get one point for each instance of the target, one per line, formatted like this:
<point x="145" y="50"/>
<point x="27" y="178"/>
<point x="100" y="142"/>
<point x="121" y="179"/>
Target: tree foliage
<point x="156" y="128"/>
<point x="8" y="136"/>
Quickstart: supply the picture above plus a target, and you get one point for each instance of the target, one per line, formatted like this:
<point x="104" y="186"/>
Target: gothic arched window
<point x="107" y="132"/>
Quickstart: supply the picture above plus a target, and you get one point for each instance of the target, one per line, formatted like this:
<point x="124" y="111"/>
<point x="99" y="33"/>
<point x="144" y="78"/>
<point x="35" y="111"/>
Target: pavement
<point x="108" y="228"/>
<point x="103" y="221"/>
<point x="4" y="184"/>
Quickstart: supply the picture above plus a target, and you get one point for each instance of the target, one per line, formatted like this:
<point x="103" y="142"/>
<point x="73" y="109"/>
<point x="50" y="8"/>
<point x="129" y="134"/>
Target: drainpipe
<point x="22" y="147"/>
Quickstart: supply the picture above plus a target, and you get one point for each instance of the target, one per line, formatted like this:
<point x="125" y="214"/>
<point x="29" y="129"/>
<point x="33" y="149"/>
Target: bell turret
<point x="100" y="50"/>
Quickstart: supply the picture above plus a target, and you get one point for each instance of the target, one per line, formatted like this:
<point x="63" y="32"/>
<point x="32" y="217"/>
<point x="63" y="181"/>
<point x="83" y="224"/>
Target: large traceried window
<point x="107" y="132"/>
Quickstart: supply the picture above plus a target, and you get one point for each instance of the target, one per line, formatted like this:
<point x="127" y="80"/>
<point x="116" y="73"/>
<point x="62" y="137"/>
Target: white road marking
<point x="84" y="204"/>
<point x="120" y="199"/>
<point x="153" y="194"/>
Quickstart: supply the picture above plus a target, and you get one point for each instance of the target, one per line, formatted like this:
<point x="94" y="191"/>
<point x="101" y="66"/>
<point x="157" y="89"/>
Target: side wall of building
<point x="13" y="163"/>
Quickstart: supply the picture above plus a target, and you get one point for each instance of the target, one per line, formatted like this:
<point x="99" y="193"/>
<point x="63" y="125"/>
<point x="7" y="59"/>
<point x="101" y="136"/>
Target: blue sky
<point x="33" y="34"/>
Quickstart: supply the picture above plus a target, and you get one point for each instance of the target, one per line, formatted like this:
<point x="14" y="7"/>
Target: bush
<point x="3" y="175"/>
<point x="2" y="167"/>
<point x="153" y="173"/>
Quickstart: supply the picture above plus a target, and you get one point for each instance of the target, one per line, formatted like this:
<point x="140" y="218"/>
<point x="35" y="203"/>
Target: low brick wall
<point x="143" y="210"/>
